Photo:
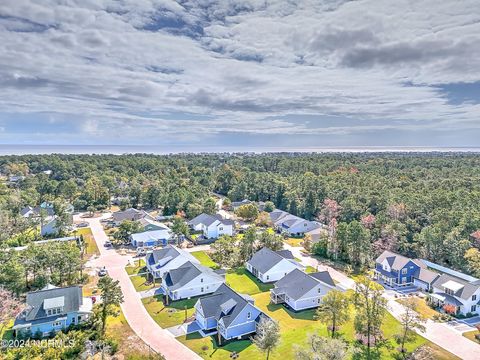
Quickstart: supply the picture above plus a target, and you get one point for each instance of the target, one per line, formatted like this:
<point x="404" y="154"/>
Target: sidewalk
<point x="137" y="317"/>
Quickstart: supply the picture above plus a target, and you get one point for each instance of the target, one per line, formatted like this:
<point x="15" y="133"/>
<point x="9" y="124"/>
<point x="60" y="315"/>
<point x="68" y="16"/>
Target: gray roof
<point x="129" y="214"/>
<point x="37" y="301"/>
<point x="396" y="261"/>
<point x="297" y="283"/>
<point x="209" y="220"/>
<point x="177" y="278"/>
<point x="167" y="251"/>
<point x="264" y="259"/>
<point x="224" y="304"/>
<point x="426" y="275"/>
<point x="277" y="214"/>
<point x="465" y="292"/>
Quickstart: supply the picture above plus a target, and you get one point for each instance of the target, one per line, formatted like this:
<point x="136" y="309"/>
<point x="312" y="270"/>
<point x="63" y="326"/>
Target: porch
<point x="277" y="296"/>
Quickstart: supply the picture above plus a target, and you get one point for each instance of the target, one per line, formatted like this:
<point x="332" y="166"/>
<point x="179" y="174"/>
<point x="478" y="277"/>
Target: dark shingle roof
<point x="224" y="304"/>
<point x="167" y="251"/>
<point x="70" y="297"/>
<point x="264" y="259"/>
<point x="209" y="220"/>
<point x="177" y="278"/>
<point x="129" y="214"/>
<point x="297" y="283"/>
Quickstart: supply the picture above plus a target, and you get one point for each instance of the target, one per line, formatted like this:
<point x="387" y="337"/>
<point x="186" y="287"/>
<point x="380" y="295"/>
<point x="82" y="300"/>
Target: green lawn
<point x="7" y="332"/>
<point x="295" y="328"/>
<point x="138" y="268"/>
<point x="167" y="316"/>
<point x="205" y="260"/>
<point x="422" y="308"/>
<point x="295" y="242"/>
<point x="90" y="244"/>
<point x="471" y="335"/>
<point x="140" y="282"/>
<point x="245" y="283"/>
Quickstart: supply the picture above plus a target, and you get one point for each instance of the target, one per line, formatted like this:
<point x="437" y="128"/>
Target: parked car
<point x="82" y="224"/>
<point x="102" y="272"/>
<point x="107" y="244"/>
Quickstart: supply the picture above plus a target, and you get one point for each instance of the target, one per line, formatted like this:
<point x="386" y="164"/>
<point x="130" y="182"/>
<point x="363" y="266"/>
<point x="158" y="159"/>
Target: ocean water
<point x="161" y="150"/>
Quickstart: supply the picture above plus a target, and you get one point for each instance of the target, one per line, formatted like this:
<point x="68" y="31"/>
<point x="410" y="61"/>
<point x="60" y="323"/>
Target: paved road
<point x="438" y="333"/>
<point x="138" y="318"/>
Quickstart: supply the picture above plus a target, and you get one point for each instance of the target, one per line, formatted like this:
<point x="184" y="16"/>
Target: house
<point x="396" y="270"/>
<point x="302" y="291"/>
<point x="16" y="178"/>
<point x="44" y="209"/>
<point x="49" y="227"/>
<point x="268" y="265"/>
<point x="462" y="295"/>
<point x="291" y="224"/>
<point x="190" y="280"/>
<point x="170" y="257"/>
<point x="148" y="223"/>
<point x="212" y="226"/>
<point x="227" y="313"/>
<point x="130" y="214"/>
<point x="151" y="238"/>
<point x="53" y="309"/>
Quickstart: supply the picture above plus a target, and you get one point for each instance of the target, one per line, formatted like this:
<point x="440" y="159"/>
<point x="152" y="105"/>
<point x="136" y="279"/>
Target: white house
<point x="291" y="224"/>
<point x="212" y="226"/>
<point x="151" y="238"/>
<point x="170" y="257"/>
<point x="269" y="266"/>
<point x="190" y="280"/>
<point x="462" y="294"/>
<point x="302" y="291"/>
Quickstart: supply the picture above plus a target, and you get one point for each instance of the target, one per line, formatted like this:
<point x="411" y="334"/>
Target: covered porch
<point x="445" y="302"/>
<point x="277" y="296"/>
<point x="385" y="277"/>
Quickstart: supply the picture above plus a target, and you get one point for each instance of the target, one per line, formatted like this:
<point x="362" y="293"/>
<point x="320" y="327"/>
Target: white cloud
<point x="125" y="67"/>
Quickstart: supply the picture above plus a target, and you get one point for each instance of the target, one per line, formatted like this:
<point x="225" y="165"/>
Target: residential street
<point x="438" y="333"/>
<point x="139" y="320"/>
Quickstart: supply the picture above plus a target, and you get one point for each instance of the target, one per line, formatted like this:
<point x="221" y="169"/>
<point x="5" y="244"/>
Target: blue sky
<point x="247" y="73"/>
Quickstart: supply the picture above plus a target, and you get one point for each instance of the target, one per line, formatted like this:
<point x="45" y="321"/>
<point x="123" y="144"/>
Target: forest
<point x="417" y="204"/>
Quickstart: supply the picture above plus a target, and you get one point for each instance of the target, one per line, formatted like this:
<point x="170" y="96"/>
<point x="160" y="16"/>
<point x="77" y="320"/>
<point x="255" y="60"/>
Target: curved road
<point x="138" y="318"/>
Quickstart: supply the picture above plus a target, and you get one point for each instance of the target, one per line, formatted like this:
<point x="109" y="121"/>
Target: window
<point x="249" y="315"/>
<point x="57" y="323"/>
<point x="474" y="297"/>
<point x="201" y="289"/>
<point x="221" y="228"/>
<point x="268" y="277"/>
<point x="201" y="280"/>
<point x="404" y="271"/>
<point x="385" y="267"/>
<point x="473" y="308"/>
<point x="448" y="291"/>
<point x="318" y="301"/>
<point x="319" y="290"/>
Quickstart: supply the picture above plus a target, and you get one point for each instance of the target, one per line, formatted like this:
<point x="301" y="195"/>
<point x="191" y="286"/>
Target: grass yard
<point x="295" y="242"/>
<point x="245" y="283"/>
<point x="422" y="308"/>
<point x="171" y="315"/>
<point x="138" y="268"/>
<point x="471" y="335"/>
<point x="90" y="244"/>
<point x="310" y="269"/>
<point x="205" y="259"/>
<point x="7" y="332"/>
<point x="140" y="282"/>
<point x="295" y="328"/>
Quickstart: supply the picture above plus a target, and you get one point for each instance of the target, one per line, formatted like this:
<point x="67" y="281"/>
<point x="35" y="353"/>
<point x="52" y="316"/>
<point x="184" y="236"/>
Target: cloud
<point x="199" y="70"/>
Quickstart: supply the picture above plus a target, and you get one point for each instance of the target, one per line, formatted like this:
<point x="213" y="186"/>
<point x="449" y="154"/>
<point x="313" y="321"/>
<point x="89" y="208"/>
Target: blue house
<point x="395" y="270"/>
<point x="53" y="309"/>
<point x="228" y="314"/>
<point x="151" y="238"/>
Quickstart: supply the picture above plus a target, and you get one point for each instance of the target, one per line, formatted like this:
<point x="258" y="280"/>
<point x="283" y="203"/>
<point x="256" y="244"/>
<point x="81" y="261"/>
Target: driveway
<point x="137" y="317"/>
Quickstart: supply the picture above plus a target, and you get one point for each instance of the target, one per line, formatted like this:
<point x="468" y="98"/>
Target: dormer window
<point x="404" y="271"/>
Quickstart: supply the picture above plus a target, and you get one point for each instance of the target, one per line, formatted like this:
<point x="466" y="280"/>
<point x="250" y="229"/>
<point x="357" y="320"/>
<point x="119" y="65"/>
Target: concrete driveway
<point x="137" y="317"/>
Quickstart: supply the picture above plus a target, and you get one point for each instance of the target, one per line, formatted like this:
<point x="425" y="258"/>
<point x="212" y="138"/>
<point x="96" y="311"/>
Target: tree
<point x="323" y="348"/>
<point x="269" y="206"/>
<point x="127" y="228"/>
<point x="410" y="321"/>
<point x="10" y="307"/>
<point x="112" y="297"/>
<point x="225" y="251"/>
<point x="370" y="307"/>
<point x="307" y="242"/>
<point x="180" y="227"/>
<point x="334" y="310"/>
<point x="268" y="335"/>
<point x="270" y="240"/>
<point x="247" y="212"/>
<point x="210" y="206"/>
<point x="472" y="257"/>
<point x="247" y="244"/>
<point x="263" y="219"/>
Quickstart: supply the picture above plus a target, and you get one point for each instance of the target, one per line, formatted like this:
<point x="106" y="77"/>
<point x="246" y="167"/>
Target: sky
<point x="248" y="73"/>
